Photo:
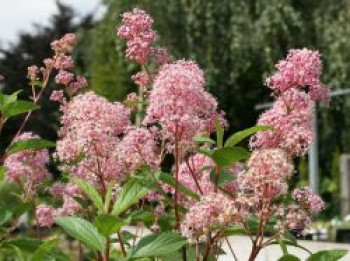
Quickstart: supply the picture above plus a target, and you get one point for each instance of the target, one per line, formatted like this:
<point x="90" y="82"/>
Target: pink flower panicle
<point x="137" y="148"/>
<point x="212" y="212"/>
<point x="77" y="85"/>
<point x="161" y="55"/>
<point x="65" y="44"/>
<point x="141" y="79"/>
<point x="58" y="96"/>
<point x="137" y="30"/>
<point x="90" y="132"/>
<point x="64" y="77"/>
<point x="45" y="215"/>
<point x="291" y="121"/>
<point x="296" y="219"/>
<point x="32" y="72"/>
<point x="179" y="103"/>
<point x="27" y="167"/>
<point x="301" y="68"/>
<point x="308" y="199"/>
<point x="267" y="174"/>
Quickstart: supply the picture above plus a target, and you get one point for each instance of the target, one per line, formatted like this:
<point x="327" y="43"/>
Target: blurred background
<point x="236" y="42"/>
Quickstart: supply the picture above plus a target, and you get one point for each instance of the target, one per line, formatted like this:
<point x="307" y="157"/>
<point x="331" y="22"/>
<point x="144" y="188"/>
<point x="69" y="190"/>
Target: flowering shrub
<point x="113" y="159"/>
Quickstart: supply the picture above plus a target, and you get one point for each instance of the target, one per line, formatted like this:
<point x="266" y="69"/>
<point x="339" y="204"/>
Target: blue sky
<point x="19" y="15"/>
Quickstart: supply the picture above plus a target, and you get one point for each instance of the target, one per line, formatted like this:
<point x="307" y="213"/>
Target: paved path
<point x="242" y="245"/>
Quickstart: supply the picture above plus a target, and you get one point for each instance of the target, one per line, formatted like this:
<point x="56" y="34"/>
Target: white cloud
<point x="19" y="15"/>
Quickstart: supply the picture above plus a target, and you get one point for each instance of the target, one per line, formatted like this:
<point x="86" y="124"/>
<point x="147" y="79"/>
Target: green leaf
<point x="45" y="250"/>
<point x="108" y="197"/>
<point x="283" y="247"/>
<point x="24" y="244"/>
<point x="90" y="191"/>
<point x="140" y="216"/>
<point x="241" y="135"/>
<point x="31" y="144"/>
<point x="328" y="255"/>
<point x="5" y="216"/>
<point x="233" y="230"/>
<point x="290" y="243"/>
<point x="18" y="107"/>
<point x="289" y="257"/>
<point x="219" y="134"/>
<point x="288" y="235"/>
<point x="130" y="193"/>
<point x="157" y="245"/>
<point x="18" y="252"/>
<point x="169" y="180"/>
<point x="2" y="172"/>
<point x="224" y="177"/>
<point x="8" y="99"/>
<point x="204" y="140"/>
<point x="228" y="156"/>
<point x="83" y="231"/>
<point x="206" y="152"/>
<point x="108" y="224"/>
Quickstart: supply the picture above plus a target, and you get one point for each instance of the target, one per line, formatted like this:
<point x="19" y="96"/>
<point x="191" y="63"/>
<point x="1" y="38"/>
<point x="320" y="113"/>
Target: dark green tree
<point x="31" y="49"/>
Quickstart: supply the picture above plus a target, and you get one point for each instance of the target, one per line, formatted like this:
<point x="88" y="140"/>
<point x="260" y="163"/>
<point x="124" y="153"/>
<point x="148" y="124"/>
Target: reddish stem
<point x="176" y="207"/>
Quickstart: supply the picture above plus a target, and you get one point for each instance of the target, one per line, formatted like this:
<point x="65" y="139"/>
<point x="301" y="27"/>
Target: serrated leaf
<point x="90" y="191"/>
<point x="5" y="216"/>
<point x="18" y="107"/>
<point x="157" y="245"/>
<point x="228" y="156"/>
<point x="241" y="135"/>
<point x="30" y="144"/>
<point x="130" y="193"/>
<point x="328" y="255"/>
<point x="45" y="250"/>
<point x="83" y="231"/>
<point x="169" y="180"/>
<point x="289" y="257"/>
<point x="204" y="140"/>
<point x="108" y="224"/>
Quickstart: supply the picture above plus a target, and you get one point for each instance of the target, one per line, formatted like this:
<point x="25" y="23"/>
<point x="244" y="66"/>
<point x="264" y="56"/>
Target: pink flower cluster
<point x="179" y="102"/>
<point x="62" y="61"/>
<point x="291" y="115"/>
<point x="291" y="122"/>
<point x="65" y="44"/>
<point x="28" y="167"/>
<point x="137" y="30"/>
<point x="308" y="199"/>
<point x="46" y="214"/>
<point x="211" y="213"/>
<point x="90" y="132"/>
<point x="296" y="219"/>
<point x="267" y="174"/>
<point x="138" y="147"/>
<point x="301" y="68"/>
